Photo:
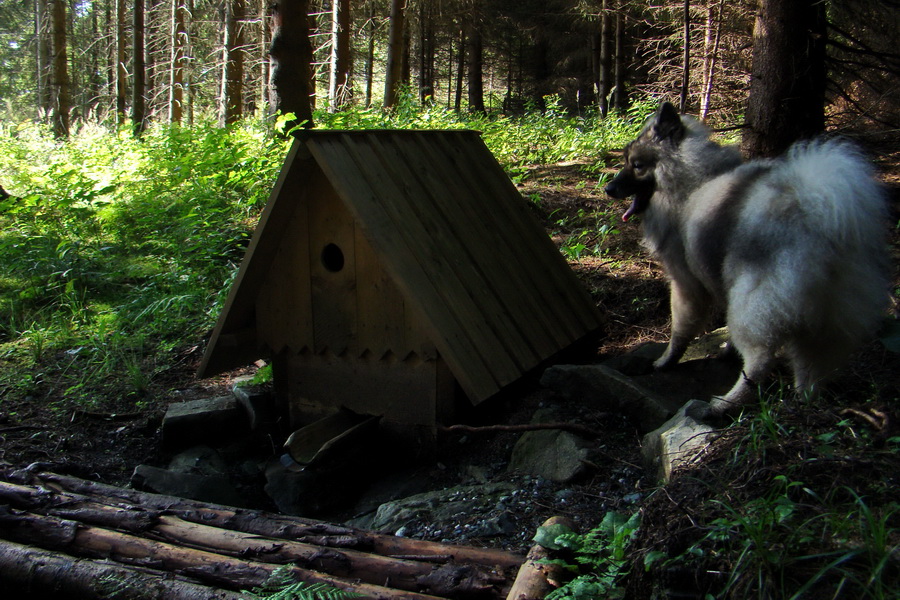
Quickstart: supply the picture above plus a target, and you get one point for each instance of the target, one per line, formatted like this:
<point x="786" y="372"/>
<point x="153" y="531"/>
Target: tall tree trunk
<point x="339" y="77"/>
<point x="60" y="78"/>
<point x="264" y="41"/>
<point x="370" y="52"/>
<point x="179" y="61"/>
<point x="474" y="67"/>
<point x="139" y="74"/>
<point x="426" y="52"/>
<point x="710" y="56"/>
<point x="44" y="58"/>
<point x="460" y="70"/>
<point x="686" y="58"/>
<point x="121" y="68"/>
<point x="620" y="98"/>
<point x="788" y="78"/>
<point x="604" y="59"/>
<point x="292" y="52"/>
<point x="394" y="67"/>
<point x="233" y="97"/>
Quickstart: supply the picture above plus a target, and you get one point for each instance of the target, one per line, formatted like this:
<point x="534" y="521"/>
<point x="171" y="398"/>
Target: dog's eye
<point x="638" y="165"/>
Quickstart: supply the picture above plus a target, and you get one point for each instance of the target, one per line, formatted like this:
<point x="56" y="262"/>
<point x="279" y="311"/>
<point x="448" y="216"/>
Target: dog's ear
<point x="667" y="125"/>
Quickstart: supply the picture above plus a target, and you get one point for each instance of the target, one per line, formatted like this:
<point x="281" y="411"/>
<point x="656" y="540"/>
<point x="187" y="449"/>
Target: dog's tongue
<point x="636" y="207"/>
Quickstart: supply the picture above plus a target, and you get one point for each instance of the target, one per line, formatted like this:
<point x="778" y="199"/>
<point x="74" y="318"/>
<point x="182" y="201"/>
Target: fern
<point x="281" y="585"/>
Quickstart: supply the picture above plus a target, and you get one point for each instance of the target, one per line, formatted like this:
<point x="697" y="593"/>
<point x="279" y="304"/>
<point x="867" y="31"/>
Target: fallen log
<point x="537" y="578"/>
<point x="280" y="526"/>
<point x="238" y="548"/>
<point x="32" y="572"/>
<point x="451" y="579"/>
<point x="212" y="569"/>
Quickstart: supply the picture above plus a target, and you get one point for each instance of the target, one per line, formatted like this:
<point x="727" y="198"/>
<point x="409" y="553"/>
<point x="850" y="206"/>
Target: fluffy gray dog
<point x="793" y="250"/>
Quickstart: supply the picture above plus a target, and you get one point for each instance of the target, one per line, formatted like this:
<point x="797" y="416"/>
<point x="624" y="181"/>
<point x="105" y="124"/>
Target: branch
<point x="570" y="427"/>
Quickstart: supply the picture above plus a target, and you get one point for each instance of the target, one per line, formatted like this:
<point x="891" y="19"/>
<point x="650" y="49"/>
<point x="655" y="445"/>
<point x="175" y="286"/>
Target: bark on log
<point x="207" y="567"/>
<point x="238" y="548"/>
<point x="535" y="579"/>
<point x="410" y="575"/>
<point x="281" y="526"/>
<point x="32" y="572"/>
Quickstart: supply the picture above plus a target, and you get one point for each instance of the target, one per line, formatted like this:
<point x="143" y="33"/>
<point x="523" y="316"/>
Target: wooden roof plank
<point x="500" y="245"/>
<point x="554" y="277"/>
<point x="452" y="235"/>
<point x="340" y="157"/>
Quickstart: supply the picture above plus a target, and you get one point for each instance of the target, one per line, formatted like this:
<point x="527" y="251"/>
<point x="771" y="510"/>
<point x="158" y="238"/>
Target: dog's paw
<point x="664" y="363"/>
<point x="722" y="406"/>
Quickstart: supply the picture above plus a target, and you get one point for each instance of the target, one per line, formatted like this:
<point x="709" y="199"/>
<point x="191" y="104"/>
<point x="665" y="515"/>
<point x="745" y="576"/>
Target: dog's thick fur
<point x="793" y="251"/>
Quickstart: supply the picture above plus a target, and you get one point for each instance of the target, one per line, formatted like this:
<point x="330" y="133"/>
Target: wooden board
<point x="440" y="256"/>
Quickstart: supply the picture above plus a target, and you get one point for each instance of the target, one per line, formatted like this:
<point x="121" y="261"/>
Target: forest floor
<point x="630" y="289"/>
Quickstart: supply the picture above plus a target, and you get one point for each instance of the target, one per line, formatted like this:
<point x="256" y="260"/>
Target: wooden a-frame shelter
<point x="391" y="267"/>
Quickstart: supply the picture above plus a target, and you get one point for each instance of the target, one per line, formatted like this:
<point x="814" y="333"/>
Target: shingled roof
<point x="448" y="227"/>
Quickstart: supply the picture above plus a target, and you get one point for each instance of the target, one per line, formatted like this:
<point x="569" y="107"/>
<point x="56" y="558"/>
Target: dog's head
<point x="661" y="134"/>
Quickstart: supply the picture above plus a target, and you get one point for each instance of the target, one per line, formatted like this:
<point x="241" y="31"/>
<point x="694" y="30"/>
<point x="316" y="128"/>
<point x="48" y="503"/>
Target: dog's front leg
<point x="691" y="306"/>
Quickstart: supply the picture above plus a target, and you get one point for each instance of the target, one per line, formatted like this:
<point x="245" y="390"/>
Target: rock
<point x="639" y="361"/>
<point x="610" y="390"/>
<point x="552" y="454"/>
<point x="208" y="420"/>
<point x="199" y="460"/>
<point x="458" y="504"/>
<point x="214" y="489"/>
<point x="257" y="400"/>
<point x="714" y="343"/>
<point x="678" y="441"/>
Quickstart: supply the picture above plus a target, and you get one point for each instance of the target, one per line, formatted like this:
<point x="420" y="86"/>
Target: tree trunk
<point x="138" y="84"/>
<point x="233" y="97"/>
<point x="620" y="98"/>
<point x="394" y="67"/>
<point x="60" y="78"/>
<point x="426" y="52"/>
<point x="264" y="41"/>
<point x="292" y="52"/>
<point x="370" y="53"/>
<point x="339" y="90"/>
<point x="179" y="61"/>
<point x="474" y="66"/>
<point x="604" y="84"/>
<point x="44" y="58"/>
<point x="710" y="57"/>
<point x="460" y="70"/>
<point x="686" y="58"/>
<point x="788" y="78"/>
<point x="121" y="69"/>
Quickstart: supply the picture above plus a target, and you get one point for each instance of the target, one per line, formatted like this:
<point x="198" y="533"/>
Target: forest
<point x="140" y="140"/>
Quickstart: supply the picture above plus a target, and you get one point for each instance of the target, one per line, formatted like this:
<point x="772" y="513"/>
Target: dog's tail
<point x="838" y="189"/>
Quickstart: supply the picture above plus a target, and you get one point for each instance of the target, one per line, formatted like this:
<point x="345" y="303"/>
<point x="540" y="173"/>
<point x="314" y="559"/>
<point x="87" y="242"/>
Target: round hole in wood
<point x="333" y="258"/>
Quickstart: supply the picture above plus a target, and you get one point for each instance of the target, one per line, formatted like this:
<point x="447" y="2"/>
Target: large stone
<point x="199" y="460"/>
<point x="610" y="390"/>
<point x="452" y="504"/>
<point x="552" y="454"/>
<point x="214" y="489"/>
<point x="205" y="421"/>
<point x="679" y="441"/>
